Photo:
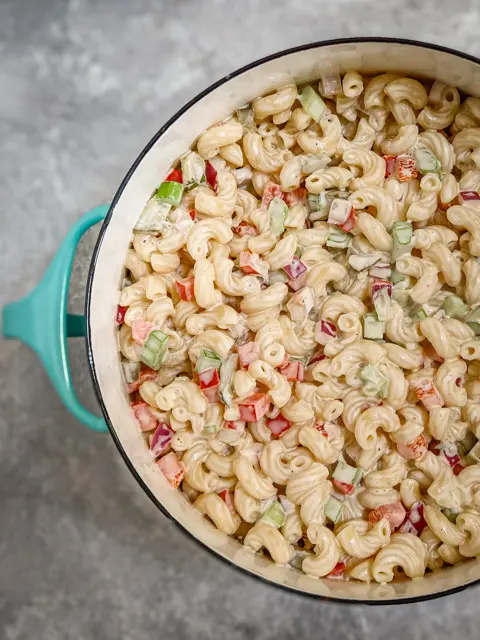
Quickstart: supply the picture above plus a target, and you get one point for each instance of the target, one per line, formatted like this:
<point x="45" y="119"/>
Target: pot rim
<point x="88" y="294"/>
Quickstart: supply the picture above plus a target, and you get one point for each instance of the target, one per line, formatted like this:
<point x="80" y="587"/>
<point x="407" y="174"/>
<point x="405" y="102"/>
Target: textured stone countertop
<point x="84" y="84"/>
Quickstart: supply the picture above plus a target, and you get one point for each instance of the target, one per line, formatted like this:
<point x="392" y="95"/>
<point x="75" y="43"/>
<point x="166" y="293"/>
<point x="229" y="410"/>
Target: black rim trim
<point x="161" y="131"/>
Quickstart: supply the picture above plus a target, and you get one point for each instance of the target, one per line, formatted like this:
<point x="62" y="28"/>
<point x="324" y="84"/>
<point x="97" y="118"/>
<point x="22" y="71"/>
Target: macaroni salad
<point x="299" y="326"/>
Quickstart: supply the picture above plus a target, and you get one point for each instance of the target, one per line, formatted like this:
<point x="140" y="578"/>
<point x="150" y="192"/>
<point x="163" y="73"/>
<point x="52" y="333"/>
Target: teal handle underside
<point x="40" y="320"/>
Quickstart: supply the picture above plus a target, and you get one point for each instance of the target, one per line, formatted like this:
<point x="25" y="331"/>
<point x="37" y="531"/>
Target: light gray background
<point x="84" y="84"/>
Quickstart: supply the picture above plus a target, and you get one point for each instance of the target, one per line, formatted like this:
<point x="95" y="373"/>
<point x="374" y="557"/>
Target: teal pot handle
<point x="41" y="321"/>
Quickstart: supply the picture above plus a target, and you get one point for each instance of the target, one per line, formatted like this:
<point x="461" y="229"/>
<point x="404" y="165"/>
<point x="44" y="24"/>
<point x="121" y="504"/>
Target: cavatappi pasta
<point x="299" y="327"/>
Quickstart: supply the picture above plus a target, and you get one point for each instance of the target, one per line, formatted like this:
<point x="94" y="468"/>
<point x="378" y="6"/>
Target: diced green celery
<point x="211" y="428"/>
<point x="418" y="312"/>
<point x="382" y="303"/>
<point x="474" y="454"/>
<point x="338" y="239"/>
<point x="193" y="169"/>
<point x="373" y="328"/>
<point x="314" y="201"/>
<point x="152" y="219"/>
<point x="312" y="103"/>
<point x="402" y="235"/>
<point x="375" y="383"/>
<point x="426" y="161"/>
<point x="170" y="192"/>
<point x="245" y="117"/>
<point x="473" y="320"/>
<point x="333" y="508"/>
<point x="347" y="474"/>
<point x="274" y="515"/>
<point x="277" y="276"/>
<point x="396" y="277"/>
<point x="154" y="349"/>
<point x="228" y="368"/>
<point x="278" y="212"/>
<point x="208" y="360"/>
<point x="131" y="371"/>
<point x="359" y="263"/>
<point x="455" y="307"/>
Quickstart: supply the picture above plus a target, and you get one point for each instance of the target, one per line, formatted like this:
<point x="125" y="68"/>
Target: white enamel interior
<point x="301" y="66"/>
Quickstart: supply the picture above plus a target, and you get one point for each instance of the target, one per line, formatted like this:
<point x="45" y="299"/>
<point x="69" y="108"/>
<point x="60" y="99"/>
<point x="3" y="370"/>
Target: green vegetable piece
<point x="347" y="474"/>
<point x="374" y="383"/>
<point x="274" y="515"/>
<point x="170" y="192"/>
<point x="396" y="277"/>
<point x="473" y="320"/>
<point x="131" y="371"/>
<point x="155" y="349"/>
<point x="419" y="312"/>
<point x="338" y="239"/>
<point x="278" y="212"/>
<point x="373" y="328"/>
<point x="312" y="103"/>
<point x="333" y="509"/>
<point x="211" y="428"/>
<point x="426" y="161"/>
<point x="228" y="368"/>
<point x="402" y="232"/>
<point x="455" y="307"/>
<point x="153" y="216"/>
<point x="277" y="276"/>
<point x="193" y="169"/>
<point x="208" y="360"/>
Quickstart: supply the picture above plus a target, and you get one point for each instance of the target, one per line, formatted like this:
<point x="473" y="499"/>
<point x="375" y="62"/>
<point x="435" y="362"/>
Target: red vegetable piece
<point x="378" y="284"/>
<point x="465" y="196"/>
<point x="458" y="468"/>
<point x="227" y="497"/>
<point x="430" y="352"/>
<point x="245" y="229"/>
<point x="325" y="331"/>
<point x="406" y="168"/>
<point x="414" y="521"/>
<point x="295" y="269"/>
<point x="145" y="419"/>
<point x="298" y="283"/>
<point x="270" y="192"/>
<point x="208" y="378"/>
<point x="235" y="425"/>
<point x="185" y="288"/>
<point x="293" y="371"/>
<point x="145" y="374"/>
<point x="211" y="174"/>
<point x="141" y="330"/>
<point x="297" y="196"/>
<point x="251" y="263"/>
<point x="390" y="162"/>
<point x="172" y="469"/>
<point x="344" y="487"/>
<point x="161" y="438"/>
<point x="413" y="450"/>
<point x="317" y="357"/>
<point x="248" y="353"/>
<point x="349" y="223"/>
<point x="193" y="214"/>
<point x="121" y="311"/>
<point x="394" y="513"/>
<point x="337" y="571"/>
<point x="278" y="425"/>
<point x="253" y="408"/>
<point x="427" y="392"/>
<point x="320" y="426"/>
<point x="446" y="449"/>
<point x="175" y="176"/>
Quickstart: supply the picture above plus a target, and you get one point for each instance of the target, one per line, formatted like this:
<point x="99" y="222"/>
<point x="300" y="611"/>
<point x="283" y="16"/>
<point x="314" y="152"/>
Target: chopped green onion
<point x="373" y="328"/>
<point x="208" y="360"/>
<point x="211" y="428"/>
<point x="274" y="515"/>
<point x="347" y="474"/>
<point x="396" y="277"/>
<point x="228" y="368"/>
<point x="474" y="453"/>
<point x="193" y="169"/>
<point x="426" y="161"/>
<point x="374" y="383"/>
<point x="278" y="212"/>
<point x="473" y="320"/>
<point x="152" y="219"/>
<point x="455" y="307"/>
<point x="170" y="192"/>
<point x="338" y="239"/>
<point x="154" y="349"/>
<point x="333" y="509"/>
<point x="312" y="103"/>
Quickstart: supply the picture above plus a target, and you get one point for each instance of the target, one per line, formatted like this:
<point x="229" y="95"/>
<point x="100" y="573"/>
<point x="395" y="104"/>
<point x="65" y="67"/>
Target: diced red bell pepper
<point x="248" y="353"/>
<point x="458" y="468"/>
<point x="253" y="408"/>
<point x="160" y="439"/>
<point x="278" y="425"/>
<point x="212" y="394"/>
<point x="325" y="331"/>
<point x="298" y="283"/>
<point x="465" y="196"/>
<point x="245" y="229"/>
<point x="337" y="571"/>
<point x="211" y="174"/>
<point x="293" y="371"/>
<point x="413" y="450"/>
<point x="349" y="223"/>
<point x="227" y="497"/>
<point x="145" y="419"/>
<point x="209" y="381"/>
<point x="414" y="520"/>
<point x="270" y="192"/>
<point x="172" y="469"/>
<point x="390" y="162"/>
<point x="185" y="288"/>
<point x="193" y="214"/>
<point x="235" y="425"/>
<point x="320" y="426"/>
<point x="446" y="449"/>
<point x="344" y="487"/>
<point x="145" y="374"/>
<point x="342" y="214"/>
<point x="317" y="357"/>
<point x="251" y="263"/>
<point x="378" y="284"/>
<point x="175" y="176"/>
<point x="406" y="168"/>
<point x="395" y="513"/>
<point x="284" y="362"/>
<point x="141" y="330"/>
<point x="298" y="196"/>
<point x="121" y="311"/>
<point x="295" y="269"/>
<point x="427" y="392"/>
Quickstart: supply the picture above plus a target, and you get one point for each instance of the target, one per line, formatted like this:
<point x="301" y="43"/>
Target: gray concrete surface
<point x="83" y="85"/>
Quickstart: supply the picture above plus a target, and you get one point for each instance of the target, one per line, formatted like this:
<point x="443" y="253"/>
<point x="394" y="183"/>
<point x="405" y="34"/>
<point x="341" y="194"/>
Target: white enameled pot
<point x="300" y="65"/>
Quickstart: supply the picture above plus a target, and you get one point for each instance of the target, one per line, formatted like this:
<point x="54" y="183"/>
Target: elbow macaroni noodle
<point x="297" y="408"/>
